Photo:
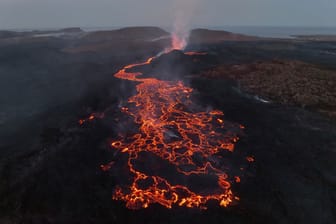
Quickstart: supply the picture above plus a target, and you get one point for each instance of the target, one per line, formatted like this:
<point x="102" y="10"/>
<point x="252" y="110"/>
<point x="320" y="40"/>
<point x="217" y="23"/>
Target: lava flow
<point x="187" y="144"/>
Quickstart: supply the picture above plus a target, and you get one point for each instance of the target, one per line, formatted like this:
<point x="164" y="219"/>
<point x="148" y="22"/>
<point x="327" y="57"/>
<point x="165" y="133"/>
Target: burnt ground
<point x="49" y="168"/>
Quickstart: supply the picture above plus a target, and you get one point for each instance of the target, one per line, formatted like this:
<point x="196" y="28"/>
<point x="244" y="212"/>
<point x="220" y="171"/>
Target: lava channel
<point x="175" y="158"/>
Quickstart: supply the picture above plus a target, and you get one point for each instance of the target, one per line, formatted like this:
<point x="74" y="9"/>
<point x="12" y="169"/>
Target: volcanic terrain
<point x="117" y="127"/>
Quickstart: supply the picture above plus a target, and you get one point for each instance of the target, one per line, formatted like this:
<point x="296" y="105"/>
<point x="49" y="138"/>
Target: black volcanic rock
<point x="170" y="66"/>
<point x="175" y="57"/>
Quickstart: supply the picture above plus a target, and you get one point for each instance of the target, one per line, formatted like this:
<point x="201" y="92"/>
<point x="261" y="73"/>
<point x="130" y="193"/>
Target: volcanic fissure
<point x="176" y="155"/>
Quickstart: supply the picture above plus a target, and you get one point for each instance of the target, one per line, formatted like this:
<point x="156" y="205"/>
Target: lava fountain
<point x="179" y="42"/>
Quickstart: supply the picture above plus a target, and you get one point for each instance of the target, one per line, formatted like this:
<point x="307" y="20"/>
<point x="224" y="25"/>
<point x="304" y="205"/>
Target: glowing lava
<point x="174" y="130"/>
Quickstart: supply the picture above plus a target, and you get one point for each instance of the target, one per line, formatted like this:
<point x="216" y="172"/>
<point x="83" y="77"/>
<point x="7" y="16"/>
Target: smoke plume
<point x="184" y="10"/>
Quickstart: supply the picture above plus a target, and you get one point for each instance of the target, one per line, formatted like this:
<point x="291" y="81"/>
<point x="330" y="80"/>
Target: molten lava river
<point x="176" y="155"/>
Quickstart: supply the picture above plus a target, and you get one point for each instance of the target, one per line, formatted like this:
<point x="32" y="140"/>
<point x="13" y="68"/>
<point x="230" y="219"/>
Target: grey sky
<point x="86" y="13"/>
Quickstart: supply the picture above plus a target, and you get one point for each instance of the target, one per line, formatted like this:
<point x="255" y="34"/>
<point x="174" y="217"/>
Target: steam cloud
<point x="184" y="10"/>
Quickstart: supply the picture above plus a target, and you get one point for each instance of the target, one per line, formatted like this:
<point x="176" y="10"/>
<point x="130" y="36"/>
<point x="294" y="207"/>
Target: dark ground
<point x="49" y="165"/>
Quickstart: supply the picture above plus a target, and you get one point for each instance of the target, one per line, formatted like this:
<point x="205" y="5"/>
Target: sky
<point x="117" y="13"/>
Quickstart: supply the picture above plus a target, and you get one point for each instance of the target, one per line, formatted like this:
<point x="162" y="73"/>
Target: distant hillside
<point x="127" y="33"/>
<point x="8" y="34"/>
<point x="199" y="36"/>
<point x="126" y="39"/>
<point x="317" y="37"/>
<point x="5" y="34"/>
<point x="71" y="30"/>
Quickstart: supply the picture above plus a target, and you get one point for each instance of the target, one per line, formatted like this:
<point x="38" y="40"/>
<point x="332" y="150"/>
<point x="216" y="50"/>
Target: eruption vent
<point x="179" y="41"/>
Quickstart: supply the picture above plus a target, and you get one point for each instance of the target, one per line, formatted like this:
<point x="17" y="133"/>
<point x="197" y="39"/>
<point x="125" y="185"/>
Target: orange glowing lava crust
<point x="159" y="108"/>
